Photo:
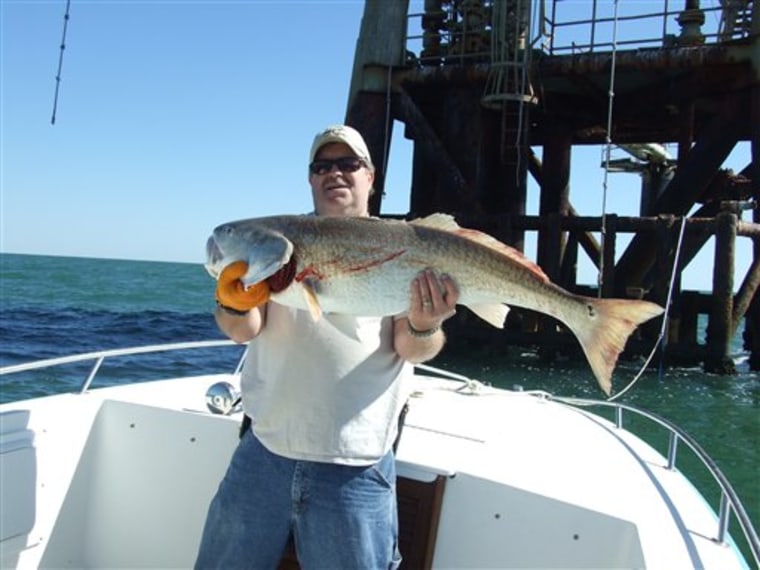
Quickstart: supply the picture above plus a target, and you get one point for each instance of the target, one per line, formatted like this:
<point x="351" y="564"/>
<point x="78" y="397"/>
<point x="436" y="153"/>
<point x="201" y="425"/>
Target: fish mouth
<point x="214" y="257"/>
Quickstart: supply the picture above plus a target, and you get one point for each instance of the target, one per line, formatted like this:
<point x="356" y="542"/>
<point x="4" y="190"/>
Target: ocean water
<point x="56" y="306"/>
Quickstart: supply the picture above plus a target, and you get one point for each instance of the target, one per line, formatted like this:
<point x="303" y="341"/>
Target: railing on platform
<point x="637" y="26"/>
<point x="459" y="33"/>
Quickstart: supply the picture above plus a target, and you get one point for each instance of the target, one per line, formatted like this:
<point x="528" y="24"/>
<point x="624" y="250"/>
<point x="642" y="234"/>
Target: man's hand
<point x="433" y="300"/>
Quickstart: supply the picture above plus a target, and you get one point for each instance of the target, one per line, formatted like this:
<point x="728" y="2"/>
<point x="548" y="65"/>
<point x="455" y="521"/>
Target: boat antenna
<point x="60" y="61"/>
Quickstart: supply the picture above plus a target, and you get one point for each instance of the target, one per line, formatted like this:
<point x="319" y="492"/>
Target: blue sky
<point x="175" y="116"/>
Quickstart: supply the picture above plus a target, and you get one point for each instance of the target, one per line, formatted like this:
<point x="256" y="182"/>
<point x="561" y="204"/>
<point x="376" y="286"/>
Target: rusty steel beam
<point x="585" y="238"/>
<point x="368" y="114"/>
<point x="718" y="358"/>
<point x="650" y="59"/>
<point x="544" y="66"/>
<point x="745" y="295"/>
<point x="426" y="139"/>
<point x="692" y="177"/>
<point x="554" y="199"/>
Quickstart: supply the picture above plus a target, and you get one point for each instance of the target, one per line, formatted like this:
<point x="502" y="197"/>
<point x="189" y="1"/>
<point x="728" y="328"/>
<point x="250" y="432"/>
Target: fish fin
<point x="446" y="222"/>
<point x="269" y="258"/>
<point x="494" y="314"/>
<point x="602" y="340"/>
<point x="515" y="255"/>
<point x="437" y="221"/>
<point x="310" y="294"/>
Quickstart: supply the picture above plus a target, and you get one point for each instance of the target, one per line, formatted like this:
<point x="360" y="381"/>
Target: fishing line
<point x="60" y="61"/>
<point x="664" y="327"/>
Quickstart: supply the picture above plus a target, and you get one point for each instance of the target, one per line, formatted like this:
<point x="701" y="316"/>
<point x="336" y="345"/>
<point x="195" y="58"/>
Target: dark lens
<point x="321" y="166"/>
<point x="344" y="164"/>
<point x="348" y="164"/>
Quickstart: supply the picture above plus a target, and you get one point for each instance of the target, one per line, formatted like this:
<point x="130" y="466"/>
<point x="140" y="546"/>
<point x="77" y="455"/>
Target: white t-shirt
<point x="328" y="391"/>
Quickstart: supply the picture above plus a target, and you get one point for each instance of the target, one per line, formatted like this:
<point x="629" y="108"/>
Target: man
<point x="324" y="397"/>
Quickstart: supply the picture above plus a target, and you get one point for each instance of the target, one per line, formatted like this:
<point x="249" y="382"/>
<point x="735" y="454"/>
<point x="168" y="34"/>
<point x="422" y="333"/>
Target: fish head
<point x="264" y="249"/>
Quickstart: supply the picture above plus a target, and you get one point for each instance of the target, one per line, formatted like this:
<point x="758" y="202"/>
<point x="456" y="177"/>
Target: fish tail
<point x="611" y="323"/>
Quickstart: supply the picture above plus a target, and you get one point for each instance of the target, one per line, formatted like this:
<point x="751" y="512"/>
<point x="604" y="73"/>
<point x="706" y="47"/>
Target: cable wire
<point x="607" y="151"/>
<point x="664" y="327"/>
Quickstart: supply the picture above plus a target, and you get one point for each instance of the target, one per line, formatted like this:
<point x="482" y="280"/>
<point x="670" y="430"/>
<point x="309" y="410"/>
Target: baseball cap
<point x="342" y="134"/>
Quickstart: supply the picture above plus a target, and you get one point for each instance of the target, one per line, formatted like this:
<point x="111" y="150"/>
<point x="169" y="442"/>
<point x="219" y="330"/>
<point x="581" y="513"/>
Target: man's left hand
<point x="433" y="300"/>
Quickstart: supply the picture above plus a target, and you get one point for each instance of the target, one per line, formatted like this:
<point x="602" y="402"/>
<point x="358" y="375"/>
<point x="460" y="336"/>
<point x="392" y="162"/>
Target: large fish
<point x="363" y="266"/>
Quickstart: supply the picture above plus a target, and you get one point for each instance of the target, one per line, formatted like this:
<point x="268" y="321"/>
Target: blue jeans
<point x="339" y="516"/>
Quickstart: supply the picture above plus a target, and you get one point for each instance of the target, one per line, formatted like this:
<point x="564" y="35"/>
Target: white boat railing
<point x="100" y="355"/>
<point x="729" y="501"/>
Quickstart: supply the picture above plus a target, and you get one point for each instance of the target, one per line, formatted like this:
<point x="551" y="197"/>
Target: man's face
<point x="342" y="183"/>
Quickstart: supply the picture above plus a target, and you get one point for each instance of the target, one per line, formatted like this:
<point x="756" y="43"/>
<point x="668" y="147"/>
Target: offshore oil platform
<point x="480" y="84"/>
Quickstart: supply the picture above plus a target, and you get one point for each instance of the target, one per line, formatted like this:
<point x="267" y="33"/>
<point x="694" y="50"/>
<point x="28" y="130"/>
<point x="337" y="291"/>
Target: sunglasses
<point x="344" y="164"/>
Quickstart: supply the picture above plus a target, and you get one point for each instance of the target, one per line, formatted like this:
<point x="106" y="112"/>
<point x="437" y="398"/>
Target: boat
<point x="120" y="476"/>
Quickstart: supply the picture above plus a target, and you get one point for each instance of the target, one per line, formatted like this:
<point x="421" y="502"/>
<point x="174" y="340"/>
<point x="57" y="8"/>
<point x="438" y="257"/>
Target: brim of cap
<point x="332" y="138"/>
